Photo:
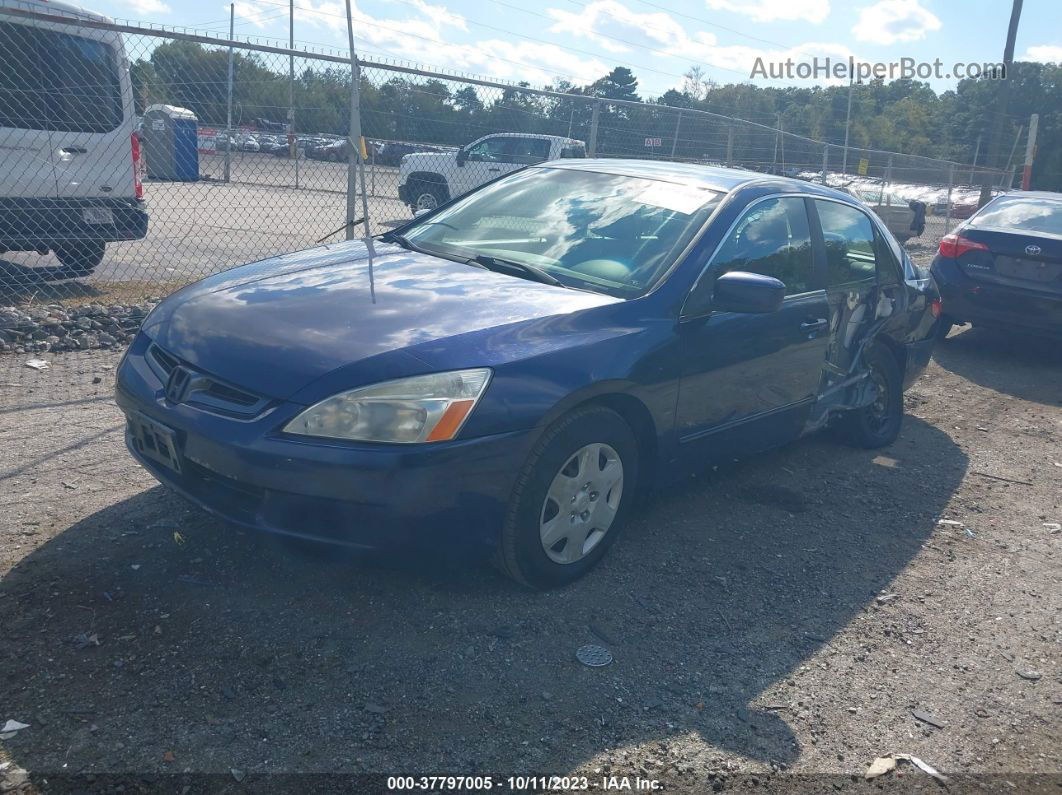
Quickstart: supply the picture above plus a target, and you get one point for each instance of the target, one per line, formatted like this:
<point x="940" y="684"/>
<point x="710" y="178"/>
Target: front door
<point x="751" y="379"/>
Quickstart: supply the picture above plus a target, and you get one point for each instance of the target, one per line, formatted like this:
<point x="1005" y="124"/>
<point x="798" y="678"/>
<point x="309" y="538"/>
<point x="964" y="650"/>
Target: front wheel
<point x="878" y="424"/>
<point x="426" y="196"/>
<point x="570" y="500"/>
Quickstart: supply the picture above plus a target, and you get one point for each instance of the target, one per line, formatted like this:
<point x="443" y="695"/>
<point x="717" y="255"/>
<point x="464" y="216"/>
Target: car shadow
<point x="150" y="632"/>
<point x="1023" y="365"/>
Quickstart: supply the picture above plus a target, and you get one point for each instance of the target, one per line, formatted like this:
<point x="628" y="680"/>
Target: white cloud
<point x="1045" y="53"/>
<point x="148" y="7"/>
<point x="894" y="21"/>
<point x="616" y="28"/>
<point x="814" y="11"/>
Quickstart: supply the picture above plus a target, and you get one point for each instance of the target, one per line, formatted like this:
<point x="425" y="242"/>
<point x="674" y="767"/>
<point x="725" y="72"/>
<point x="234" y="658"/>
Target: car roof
<point x="1032" y="194"/>
<point x="55" y="8"/>
<point x="531" y="135"/>
<point x="694" y="175"/>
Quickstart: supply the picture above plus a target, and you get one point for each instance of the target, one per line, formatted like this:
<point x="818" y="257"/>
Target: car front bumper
<point x="357" y="495"/>
<point x="968" y="300"/>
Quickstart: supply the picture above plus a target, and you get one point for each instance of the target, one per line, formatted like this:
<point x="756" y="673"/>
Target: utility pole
<point x="228" y="117"/>
<point x="291" y="89"/>
<point x="1002" y="101"/>
<point x="1030" y="151"/>
<point x="847" y="122"/>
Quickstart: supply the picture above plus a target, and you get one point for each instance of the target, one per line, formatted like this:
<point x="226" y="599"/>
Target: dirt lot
<point x="773" y="624"/>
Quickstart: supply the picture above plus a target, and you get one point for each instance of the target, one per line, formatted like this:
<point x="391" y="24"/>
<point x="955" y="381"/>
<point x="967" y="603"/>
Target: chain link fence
<point x="138" y="160"/>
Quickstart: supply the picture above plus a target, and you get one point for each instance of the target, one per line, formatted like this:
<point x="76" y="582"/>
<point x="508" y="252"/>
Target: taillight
<point x="954" y="246"/>
<point x="138" y="185"/>
<point x="935" y="308"/>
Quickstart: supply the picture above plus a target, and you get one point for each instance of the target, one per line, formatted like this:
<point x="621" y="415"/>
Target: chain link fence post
<point x="595" y="116"/>
<point x="228" y="117"/>
<point x="825" y="162"/>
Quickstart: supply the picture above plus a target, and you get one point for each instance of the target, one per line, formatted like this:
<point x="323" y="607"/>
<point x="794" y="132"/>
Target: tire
<point x="427" y="196"/>
<point x="80" y="259"/>
<point x="878" y="424"/>
<point x="567" y="450"/>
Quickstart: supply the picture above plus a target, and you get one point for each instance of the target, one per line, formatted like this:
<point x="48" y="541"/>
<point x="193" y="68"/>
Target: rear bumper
<point x="967" y="300"/>
<point x="367" y="496"/>
<point x="28" y="223"/>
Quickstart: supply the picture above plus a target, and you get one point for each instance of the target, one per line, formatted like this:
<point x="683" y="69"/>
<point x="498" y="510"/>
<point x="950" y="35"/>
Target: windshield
<point x="607" y="233"/>
<point x="1031" y="215"/>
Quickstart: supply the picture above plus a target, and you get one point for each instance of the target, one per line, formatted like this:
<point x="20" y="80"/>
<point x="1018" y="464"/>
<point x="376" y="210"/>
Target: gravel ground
<point x="774" y="623"/>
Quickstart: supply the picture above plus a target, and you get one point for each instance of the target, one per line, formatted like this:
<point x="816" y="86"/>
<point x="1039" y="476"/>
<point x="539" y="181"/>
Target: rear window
<point x="56" y="81"/>
<point x="1026" y="214"/>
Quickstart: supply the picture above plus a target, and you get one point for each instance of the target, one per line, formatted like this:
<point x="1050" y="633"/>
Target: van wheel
<point x="570" y="500"/>
<point x="878" y="424"/>
<point x="80" y="259"/>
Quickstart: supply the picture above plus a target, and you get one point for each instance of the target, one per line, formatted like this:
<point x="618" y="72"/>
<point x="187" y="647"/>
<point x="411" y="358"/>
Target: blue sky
<point x="579" y="40"/>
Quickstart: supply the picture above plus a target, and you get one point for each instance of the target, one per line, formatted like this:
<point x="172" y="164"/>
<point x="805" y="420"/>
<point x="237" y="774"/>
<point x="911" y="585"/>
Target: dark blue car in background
<point x="515" y="367"/>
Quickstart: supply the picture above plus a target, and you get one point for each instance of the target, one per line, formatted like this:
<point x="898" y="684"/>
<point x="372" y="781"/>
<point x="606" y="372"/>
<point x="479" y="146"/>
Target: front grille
<point x="164" y="360"/>
<point x="205" y="391"/>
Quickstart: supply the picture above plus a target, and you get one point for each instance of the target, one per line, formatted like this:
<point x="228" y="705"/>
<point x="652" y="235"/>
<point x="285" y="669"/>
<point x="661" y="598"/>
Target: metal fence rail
<point x="225" y="181"/>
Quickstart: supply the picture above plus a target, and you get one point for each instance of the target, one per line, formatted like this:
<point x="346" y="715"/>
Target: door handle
<point x="74" y="150"/>
<point x="814" y="325"/>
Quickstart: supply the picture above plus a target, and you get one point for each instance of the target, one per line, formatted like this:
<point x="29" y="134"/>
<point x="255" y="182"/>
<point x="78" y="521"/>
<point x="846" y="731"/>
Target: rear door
<point x="92" y="113"/>
<point x="26" y="169"/>
<point x="863" y="284"/>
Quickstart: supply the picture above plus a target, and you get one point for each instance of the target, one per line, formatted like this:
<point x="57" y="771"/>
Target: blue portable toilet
<point x="171" y="143"/>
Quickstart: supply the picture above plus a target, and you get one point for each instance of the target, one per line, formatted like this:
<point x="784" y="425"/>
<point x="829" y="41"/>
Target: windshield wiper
<point x="496" y="264"/>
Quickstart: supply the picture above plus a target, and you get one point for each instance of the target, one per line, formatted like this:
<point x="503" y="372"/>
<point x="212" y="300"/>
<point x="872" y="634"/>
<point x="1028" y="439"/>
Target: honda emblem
<point x="177" y="384"/>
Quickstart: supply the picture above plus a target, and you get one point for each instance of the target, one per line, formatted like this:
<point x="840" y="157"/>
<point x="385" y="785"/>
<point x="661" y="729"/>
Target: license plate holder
<point x="155" y="441"/>
<point x="98" y="215"/>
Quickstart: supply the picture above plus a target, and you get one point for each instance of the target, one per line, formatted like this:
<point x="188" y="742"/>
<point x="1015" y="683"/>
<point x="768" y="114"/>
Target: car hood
<point x="276" y="326"/>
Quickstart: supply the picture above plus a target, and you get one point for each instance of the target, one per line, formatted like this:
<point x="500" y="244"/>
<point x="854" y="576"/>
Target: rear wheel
<point x="570" y="500"/>
<point x="878" y="424"/>
<point x="80" y="259"/>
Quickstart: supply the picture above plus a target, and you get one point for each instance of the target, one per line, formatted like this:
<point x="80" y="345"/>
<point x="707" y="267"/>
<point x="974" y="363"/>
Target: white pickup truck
<point x="429" y="179"/>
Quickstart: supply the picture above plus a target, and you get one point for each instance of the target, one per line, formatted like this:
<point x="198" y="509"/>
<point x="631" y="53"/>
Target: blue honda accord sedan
<point x="516" y="366"/>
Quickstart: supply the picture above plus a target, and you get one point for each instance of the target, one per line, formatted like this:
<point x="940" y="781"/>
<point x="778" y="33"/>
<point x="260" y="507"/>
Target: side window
<point x="23" y="100"/>
<point x="492" y="150"/>
<point x="574" y="149"/>
<point x="771" y="239"/>
<point x="530" y="150"/>
<point x="90" y="96"/>
<point x="850" y="243"/>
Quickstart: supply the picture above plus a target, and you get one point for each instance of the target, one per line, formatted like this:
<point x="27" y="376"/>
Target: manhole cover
<point x="594" y="656"/>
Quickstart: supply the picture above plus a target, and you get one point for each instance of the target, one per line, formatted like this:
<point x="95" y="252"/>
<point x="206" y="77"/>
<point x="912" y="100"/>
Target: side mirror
<point x="740" y="291"/>
<point x="462" y="156"/>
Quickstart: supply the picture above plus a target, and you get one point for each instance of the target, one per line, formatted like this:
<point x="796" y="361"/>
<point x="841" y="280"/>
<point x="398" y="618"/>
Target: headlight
<point x="424" y="408"/>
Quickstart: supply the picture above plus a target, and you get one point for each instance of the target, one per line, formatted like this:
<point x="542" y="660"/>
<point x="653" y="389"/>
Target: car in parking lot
<point x="513" y="368"/>
<point x="426" y="180"/>
<point x="1003" y="266"/>
<point x="904" y="218"/>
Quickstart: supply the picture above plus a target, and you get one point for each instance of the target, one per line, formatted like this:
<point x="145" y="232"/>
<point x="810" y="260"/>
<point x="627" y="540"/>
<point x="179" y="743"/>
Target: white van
<point x="69" y="153"/>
